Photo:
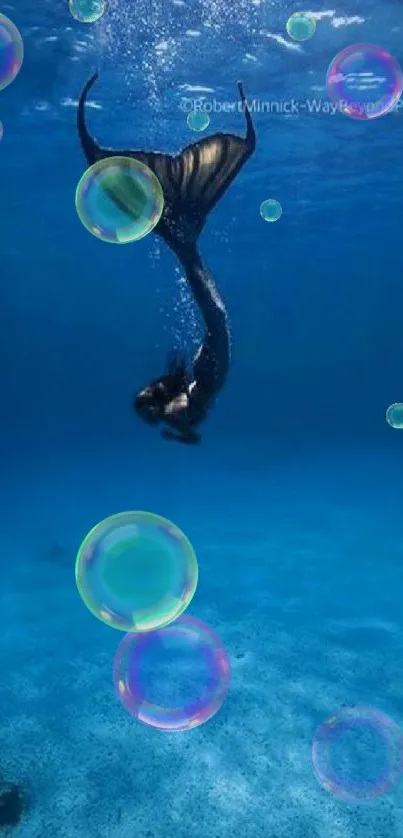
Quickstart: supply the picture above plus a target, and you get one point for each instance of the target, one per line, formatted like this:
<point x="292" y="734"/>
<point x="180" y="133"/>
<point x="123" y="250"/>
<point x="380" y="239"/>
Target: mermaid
<point x="192" y="182"/>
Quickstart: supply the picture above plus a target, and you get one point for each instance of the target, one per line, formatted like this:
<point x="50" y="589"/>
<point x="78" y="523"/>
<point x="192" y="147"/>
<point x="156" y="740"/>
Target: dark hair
<point x="151" y="401"/>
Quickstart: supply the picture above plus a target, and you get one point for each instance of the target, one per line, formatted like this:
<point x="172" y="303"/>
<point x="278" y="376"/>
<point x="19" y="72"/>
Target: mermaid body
<point x="193" y="182"/>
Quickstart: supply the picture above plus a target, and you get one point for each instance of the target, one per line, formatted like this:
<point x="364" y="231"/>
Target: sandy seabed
<point x="300" y="569"/>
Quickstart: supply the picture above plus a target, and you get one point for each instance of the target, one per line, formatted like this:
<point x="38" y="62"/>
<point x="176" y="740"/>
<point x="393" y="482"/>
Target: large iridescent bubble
<point x="119" y="200"/>
<point x="174" y="678"/>
<point x="11" y="51"/>
<point x="364" y="81"/>
<point x="136" y="571"/>
<point x="357" y="753"/>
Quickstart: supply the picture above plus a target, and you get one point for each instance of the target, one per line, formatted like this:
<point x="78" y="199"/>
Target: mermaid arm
<point x="178" y="421"/>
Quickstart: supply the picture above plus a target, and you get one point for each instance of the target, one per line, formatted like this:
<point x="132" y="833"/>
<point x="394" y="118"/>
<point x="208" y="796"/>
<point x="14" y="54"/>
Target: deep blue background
<point x="314" y="300"/>
<point x="294" y="499"/>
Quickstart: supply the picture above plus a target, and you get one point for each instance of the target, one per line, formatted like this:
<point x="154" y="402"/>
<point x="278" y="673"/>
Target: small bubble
<point x="87" y="11"/>
<point x="198" y="120"/>
<point x="271" y="210"/>
<point x="301" y="26"/>
<point x="394" y="415"/>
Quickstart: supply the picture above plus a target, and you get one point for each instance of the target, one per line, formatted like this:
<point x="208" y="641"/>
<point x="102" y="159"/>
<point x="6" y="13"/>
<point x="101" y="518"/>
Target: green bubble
<point x="119" y="200"/>
<point x="87" y="11"/>
<point x="270" y="210"/>
<point x="198" y="120"/>
<point x="394" y="415"/>
<point x="301" y="26"/>
<point x="136" y="571"/>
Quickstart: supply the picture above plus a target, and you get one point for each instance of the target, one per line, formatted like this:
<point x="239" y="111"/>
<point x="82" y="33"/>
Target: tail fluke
<point x="250" y="130"/>
<point x="89" y="146"/>
<point x="202" y="173"/>
<point x="192" y="182"/>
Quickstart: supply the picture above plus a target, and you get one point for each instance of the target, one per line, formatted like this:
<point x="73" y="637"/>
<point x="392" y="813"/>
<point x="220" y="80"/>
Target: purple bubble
<point x="11" y="51"/>
<point x="364" y="81"/>
<point x="174" y="678"/>
<point x="357" y="754"/>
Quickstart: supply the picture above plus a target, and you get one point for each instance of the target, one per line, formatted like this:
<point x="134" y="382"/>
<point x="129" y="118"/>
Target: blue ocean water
<point x="293" y="501"/>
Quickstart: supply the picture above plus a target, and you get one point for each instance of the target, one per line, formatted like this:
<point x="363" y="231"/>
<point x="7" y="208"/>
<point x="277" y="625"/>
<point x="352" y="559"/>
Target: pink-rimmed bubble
<point x="11" y="51"/>
<point x="364" y="81"/>
<point x="357" y="754"/>
<point x="174" y="678"/>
